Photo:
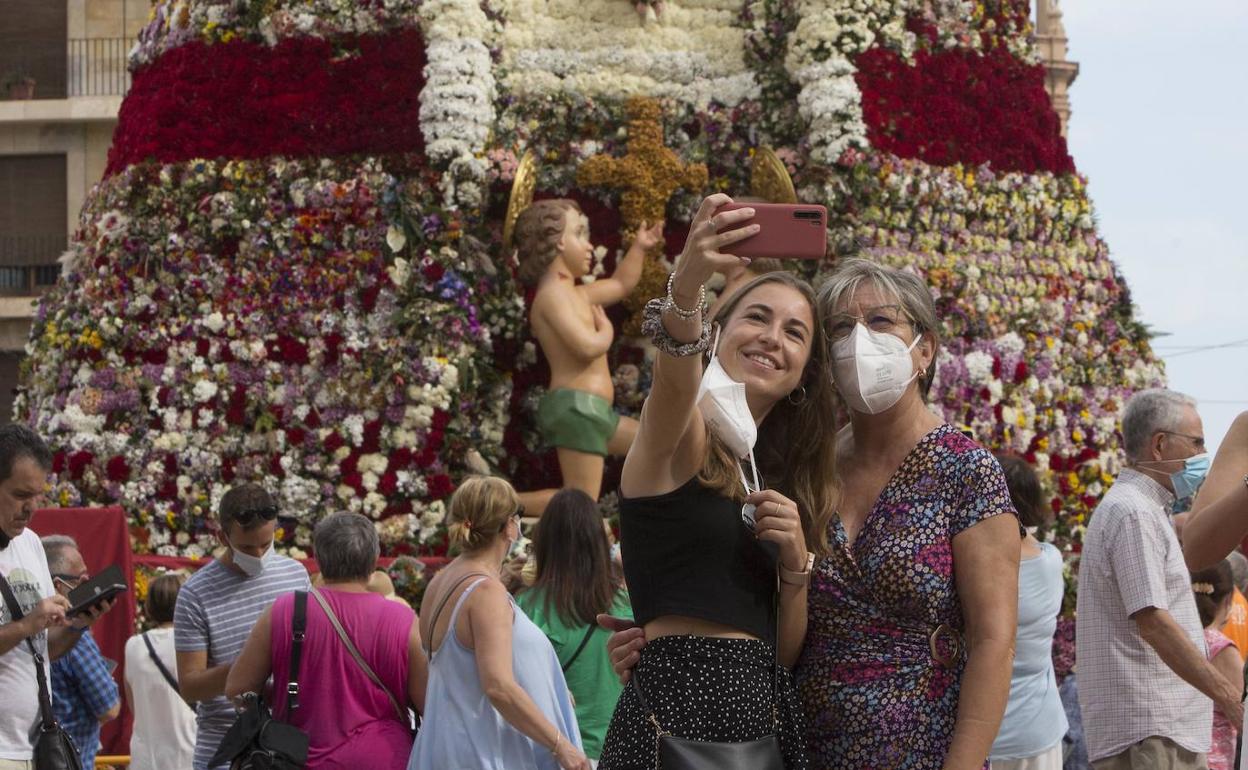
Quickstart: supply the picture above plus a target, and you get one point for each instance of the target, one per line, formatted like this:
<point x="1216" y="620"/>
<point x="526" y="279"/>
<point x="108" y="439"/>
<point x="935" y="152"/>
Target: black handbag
<point x="259" y="741"/>
<point x="54" y="749"/>
<point x="675" y="753"/>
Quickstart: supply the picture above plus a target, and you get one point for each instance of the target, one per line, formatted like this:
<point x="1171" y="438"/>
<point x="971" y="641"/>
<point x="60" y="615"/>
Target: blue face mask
<point x="1188" y="479"/>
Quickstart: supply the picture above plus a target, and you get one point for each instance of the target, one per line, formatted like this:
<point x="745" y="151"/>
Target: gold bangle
<point x="555" y="749"/>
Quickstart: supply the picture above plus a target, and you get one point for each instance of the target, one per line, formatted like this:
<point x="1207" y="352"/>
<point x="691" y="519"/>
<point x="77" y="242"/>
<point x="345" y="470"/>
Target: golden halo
<point x="769" y="178"/>
<point x="522" y="188"/>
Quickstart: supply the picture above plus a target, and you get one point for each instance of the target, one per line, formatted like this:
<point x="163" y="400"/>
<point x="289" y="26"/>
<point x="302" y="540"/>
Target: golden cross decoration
<point x="648" y="174"/>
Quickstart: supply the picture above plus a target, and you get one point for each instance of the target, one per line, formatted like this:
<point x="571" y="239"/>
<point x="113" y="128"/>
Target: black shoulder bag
<point x="54" y="749"/>
<point x="676" y="753"/>
<point x="584" y="641"/>
<point x="257" y="740"/>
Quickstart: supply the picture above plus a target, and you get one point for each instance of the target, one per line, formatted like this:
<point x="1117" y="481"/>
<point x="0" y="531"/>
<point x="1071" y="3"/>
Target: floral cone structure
<point x="293" y="270"/>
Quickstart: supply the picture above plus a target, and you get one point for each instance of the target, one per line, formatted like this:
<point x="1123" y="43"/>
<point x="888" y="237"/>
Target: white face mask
<point x="723" y="405"/>
<point x="872" y="369"/>
<point x="722" y="402"/>
<point x="251" y="565"/>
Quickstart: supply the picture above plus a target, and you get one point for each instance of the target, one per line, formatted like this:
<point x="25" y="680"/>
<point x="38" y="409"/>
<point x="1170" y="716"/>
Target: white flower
<point x="396" y="239"/>
<point x="204" y="390"/>
<point x="215" y="322"/>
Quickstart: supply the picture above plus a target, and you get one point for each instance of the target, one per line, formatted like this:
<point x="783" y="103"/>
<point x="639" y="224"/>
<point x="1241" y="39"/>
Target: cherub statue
<point x="568" y="320"/>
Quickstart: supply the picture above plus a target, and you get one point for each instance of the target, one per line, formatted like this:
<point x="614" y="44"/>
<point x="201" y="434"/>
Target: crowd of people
<point x="788" y="592"/>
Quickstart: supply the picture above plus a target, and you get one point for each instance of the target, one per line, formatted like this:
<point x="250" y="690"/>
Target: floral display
<point x="293" y="270"/>
<point x="960" y="106"/>
<point x="249" y="100"/>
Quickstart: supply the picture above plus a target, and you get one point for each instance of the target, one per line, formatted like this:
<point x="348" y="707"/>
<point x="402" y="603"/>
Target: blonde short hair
<point x="479" y="511"/>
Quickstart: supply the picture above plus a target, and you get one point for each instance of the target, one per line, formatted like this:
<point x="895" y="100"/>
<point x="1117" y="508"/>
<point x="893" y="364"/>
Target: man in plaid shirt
<point x="84" y="694"/>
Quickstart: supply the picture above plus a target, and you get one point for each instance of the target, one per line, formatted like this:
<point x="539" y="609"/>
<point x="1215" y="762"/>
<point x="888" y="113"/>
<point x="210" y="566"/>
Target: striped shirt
<point x="215" y="612"/>
<point x="1131" y="560"/>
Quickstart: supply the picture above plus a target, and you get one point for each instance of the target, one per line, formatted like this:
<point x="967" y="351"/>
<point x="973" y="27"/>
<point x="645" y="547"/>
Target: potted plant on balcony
<point x="19" y="85"/>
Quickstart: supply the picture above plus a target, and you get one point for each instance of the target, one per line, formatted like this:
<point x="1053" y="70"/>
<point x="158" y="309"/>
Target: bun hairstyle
<point x="479" y="511"/>
<point x="1212" y="587"/>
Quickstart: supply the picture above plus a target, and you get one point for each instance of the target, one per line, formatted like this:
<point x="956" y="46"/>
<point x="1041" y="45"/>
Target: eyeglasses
<point x="1197" y="441"/>
<point x="73" y="581"/>
<point x="516" y="516"/>
<point x="249" y="516"/>
<point x="882" y="318"/>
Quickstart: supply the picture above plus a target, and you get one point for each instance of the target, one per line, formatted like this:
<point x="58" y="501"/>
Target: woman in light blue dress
<point x="496" y="698"/>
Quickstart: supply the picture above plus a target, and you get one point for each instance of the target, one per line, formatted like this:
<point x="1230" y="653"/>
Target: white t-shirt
<point x="164" y="726"/>
<point x="25" y="566"/>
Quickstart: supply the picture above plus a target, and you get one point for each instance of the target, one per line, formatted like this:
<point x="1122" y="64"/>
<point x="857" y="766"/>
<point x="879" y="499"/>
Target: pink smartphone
<point x="788" y="231"/>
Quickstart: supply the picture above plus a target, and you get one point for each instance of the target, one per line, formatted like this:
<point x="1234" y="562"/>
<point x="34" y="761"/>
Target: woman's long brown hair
<point x="573" y="558"/>
<point x="796" y="441"/>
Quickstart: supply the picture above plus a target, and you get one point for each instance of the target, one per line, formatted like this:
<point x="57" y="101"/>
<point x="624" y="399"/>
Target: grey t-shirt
<point x="216" y="610"/>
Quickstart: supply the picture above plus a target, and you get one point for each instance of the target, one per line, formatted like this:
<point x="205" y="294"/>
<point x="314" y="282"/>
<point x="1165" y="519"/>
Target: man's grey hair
<point x="1149" y="412"/>
<point x="1239" y="570"/>
<point x="56" y="548"/>
<point x="346" y="547"/>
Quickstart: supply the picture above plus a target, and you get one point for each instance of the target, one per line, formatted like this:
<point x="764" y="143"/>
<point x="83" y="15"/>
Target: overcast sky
<point x="1160" y="128"/>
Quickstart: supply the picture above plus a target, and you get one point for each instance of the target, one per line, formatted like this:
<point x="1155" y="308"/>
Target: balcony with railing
<point x="66" y="68"/>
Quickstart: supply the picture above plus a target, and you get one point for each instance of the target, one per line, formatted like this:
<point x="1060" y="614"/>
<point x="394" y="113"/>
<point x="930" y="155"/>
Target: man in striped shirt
<point x="221" y="602"/>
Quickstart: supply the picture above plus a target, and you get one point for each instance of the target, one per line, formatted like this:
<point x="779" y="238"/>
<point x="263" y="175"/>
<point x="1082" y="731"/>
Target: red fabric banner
<point x="104" y="539"/>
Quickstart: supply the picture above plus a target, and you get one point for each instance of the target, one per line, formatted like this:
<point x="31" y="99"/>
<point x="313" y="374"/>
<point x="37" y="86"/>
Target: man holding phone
<point x="84" y="693"/>
<point x="25" y="462"/>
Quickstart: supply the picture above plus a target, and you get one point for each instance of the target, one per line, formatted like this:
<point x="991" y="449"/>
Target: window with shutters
<point x="32" y="221"/>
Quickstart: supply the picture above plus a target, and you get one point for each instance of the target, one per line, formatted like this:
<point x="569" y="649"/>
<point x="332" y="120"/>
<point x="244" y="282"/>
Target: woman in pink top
<point x="1212" y="588"/>
<point x="351" y="720"/>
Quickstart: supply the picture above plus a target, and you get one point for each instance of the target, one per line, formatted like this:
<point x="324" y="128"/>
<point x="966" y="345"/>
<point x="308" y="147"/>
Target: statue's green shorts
<point x="574" y="419"/>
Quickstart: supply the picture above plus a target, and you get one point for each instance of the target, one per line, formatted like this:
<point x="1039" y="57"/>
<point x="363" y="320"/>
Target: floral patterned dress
<point x="879" y="690"/>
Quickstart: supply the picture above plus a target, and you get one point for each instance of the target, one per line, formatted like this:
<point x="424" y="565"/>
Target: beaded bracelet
<point x="681" y="313"/>
<point x="652" y="327"/>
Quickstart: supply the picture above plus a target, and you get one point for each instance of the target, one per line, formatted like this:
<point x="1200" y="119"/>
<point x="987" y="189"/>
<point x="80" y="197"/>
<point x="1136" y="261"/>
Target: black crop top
<point x="688" y="553"/>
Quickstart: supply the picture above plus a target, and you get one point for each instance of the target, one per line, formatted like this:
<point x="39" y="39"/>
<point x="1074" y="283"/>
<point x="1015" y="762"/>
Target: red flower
<point x="290" y="350"/>
<point x="440" y="486"/>
<point x="400" y="458"/>
<point x="78" y="462"/>
<point x="372" y="437"/>
<point x="354" y="480"/>
<point x="388" y="484"/>
<point x="332" y="442"/>
<point x="227" y="469"/>
<point x="117" y="469"/>
<point x="432" y="272"/>
<point x="275" y="466"/>
<point x="349" y="466"/>
<point x="1020" y="372"/>
<point x="297" y="98"/>
<point x="295" y="436"/>
<point x="58" y="462"/>
<point x="961" y="106"/>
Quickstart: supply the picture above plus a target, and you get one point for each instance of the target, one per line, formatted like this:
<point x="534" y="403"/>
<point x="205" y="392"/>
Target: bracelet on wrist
<point x="679" y="311"/>
<point x="654" y="330"/>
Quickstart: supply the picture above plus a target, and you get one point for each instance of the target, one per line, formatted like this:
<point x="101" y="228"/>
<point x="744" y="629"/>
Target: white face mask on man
<point x="251" y="565"/>
<point x="872" y="369"/>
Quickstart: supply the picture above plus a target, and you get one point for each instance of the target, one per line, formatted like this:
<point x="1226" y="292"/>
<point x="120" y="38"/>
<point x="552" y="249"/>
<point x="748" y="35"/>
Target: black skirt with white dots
<point x="705" y="689"/>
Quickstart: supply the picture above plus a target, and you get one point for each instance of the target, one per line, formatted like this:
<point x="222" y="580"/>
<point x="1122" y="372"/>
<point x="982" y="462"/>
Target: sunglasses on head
<point x="249" y="516"/>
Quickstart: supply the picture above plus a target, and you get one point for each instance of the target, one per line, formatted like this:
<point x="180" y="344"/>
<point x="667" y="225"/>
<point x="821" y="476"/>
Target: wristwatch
<point x="798" y="578"/>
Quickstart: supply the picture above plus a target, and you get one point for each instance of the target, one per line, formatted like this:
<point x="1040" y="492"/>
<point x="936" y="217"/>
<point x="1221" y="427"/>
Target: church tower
<point x="1060" y="72"/>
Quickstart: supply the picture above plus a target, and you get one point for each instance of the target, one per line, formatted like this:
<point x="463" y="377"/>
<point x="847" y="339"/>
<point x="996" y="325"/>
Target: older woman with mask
<point x="910" y="632"/>
<point x="912" y="617"/>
